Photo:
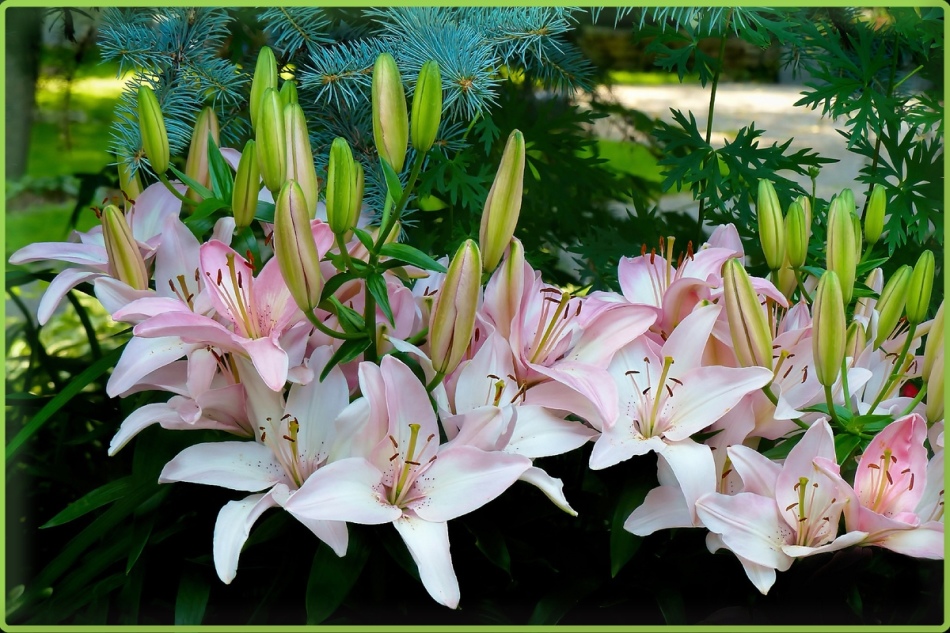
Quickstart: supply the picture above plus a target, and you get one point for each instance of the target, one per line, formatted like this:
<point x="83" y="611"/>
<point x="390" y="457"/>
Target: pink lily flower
<point x="666" y="396"/>
<point x="409" y="479"/>
<point x="295" y="440"/>
<point x="784" y="512"/>
<point x="893" y="501"/>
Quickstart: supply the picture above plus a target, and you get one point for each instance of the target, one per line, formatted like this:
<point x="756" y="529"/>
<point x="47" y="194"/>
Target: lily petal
<point x="552" y="487"/>
<point x="343" y="491"/>
<point x="232" y="529"/>
<point x="428" y="544"/>
<point x="247" y="466"/>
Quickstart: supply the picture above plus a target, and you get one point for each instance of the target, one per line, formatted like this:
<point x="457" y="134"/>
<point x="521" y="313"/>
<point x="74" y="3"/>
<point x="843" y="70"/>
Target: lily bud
<point x="247" y="184"/>
<point x="272" y="141"/>
<point x="390" y="120"/>
<point x="265" y="77"/>
<point x="288" y="93"/>
<point x="805" y="203"/>
<point x="129" y="182"/>
<point x="874" y="216"/>
<point x="787" y="282"/>
<point x="891" y="304"/>
<point x="796" y="235"/>
<point x="935" y="393"/>
<point x="857" y="340"/>
<point x="356" y="201"/>
<point x="934" y="345"/>
<point x="341" y="184"/>
<point x="858" y="237"/>
<point x="503" y="204"/>
<point x="864" y="306"/>
<point x="426" y="107"/>
<point x="125" y="258"/>
<point x="828" y="329"/>
<point x="152" y="130"/>
<point x="919" y="288"/>
<point x="300" y="165"/>
<point x="295" y="248"/>
<point x="452" y="319"/>
<point x="771" y="226"/>
<point x="196" y="167"/>
<point x="841" y="251"/>
<point x="751" y="335"/>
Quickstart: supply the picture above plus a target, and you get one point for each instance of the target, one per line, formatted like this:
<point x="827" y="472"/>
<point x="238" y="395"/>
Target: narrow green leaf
<point x="344" y="354"/>
<point x="551" y="608"/>
<point x="264" y="212"/>
<point x="670" y="601"/>
<point x="245" y="241"/>
<point x="76" y="385"/>
<point x="845" y="443"/>
<point x="350" y="319"/>
<point x="193" y="592"/>
<point x="392" y="181"/>
<point x="623" y="544"/>
<point x="203" y="191"/>
<point x="491" y="542"/>
<point x="780" y="451"/>
<point x="204" y="209"/>
<point x="377" y="287"/>
<point x="332" y="578"/>
<point x="412" y="256"/>
<point x="333" y="284"/>
<point x="95" y="499"/>
<point x="365" y="238"/>
<point x="140" y="533"/>
<point x="222" y="180"/>
<point x="869" y="265"/>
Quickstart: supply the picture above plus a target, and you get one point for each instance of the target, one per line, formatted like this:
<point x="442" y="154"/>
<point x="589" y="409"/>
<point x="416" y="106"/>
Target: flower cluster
<point x="361" y="381"/>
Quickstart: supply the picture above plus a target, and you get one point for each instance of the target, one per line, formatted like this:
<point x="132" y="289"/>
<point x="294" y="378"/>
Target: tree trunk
<point x="23" y="36"/>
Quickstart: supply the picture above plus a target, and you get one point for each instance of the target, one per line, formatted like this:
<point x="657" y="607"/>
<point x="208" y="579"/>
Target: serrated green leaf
<point x="345" y="353"/>
<point x="332" y="577"/>
<point x="97" y="498"/>
<point x="222" y="180"/>
<point x="377" y="288"/>
<point x="410" y="255"/>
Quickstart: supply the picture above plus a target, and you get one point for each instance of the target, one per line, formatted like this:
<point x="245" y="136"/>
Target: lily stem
<point x="175" y="192"/>
<point x="317" y="323"/>
<point x="829" y="399"/>
<point x="917" y="399"/>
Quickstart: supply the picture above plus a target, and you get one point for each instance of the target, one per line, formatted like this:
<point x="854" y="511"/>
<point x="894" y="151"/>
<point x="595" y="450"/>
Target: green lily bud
<point x="152" y="130"/>
<point x="129" y="182"/>
<point x="874" y="216"/>
<point x="934" y="343"/>
<point x="841" y="251"/>
<point x="919" y="288"/>
<point x="796" y="235"/>
<point x="787" y="283"/>
<point x="125" y="258"/>
<point x="356" y="200"/>
<point x="863" y="307"/>
<point x="300" y="165"/>
<point x="426" y="107"/>
<point x="847" y="199"/>
<point x="452" y="319"/>
<point x="295" y="248"/>
<point x="390" y="120"/>
<point x="858" y="237"/>
<point x="771" y="226"/>
<point x="805" y="203"/>
<point x="891" y="304"/>
<point x="857" y="340"/>
<point x="341" y="184"/>
<point x="247" y="184"/>
<point x="829" y="335"/>
<point x="272" y="141"/>
<point x="288" y="93"/>
<point x="935" y="393"/>
<point x="196" y="167"/>
<point x="265" y="77"/>
<point x="503" y="204"/>
<point x="751" y="335"/>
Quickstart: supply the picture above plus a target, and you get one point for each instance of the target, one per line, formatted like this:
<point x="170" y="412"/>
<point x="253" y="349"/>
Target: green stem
<point x="343" y="252"/>
<point x="86" y="325"/>
<point x="877" y="143"/>
<point x="830" y="401"/>
<point x="184" y="199"/>
<point x="317" y="323"/>
<point x="419" y="336"/>
<point x="917" y="399"/>
<point x="397" y="211"/>
<point x="767" y="390"/>
<point x="844" y="384"/>
<point x="906" y="77"/>
<point x="898" y="368"/>
<point x="801" y="286"/>
<point x="439" y="376"/>
<point x="369" y="317"/>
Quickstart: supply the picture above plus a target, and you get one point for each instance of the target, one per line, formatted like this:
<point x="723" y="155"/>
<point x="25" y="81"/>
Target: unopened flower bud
<point x="934" y="343"/>
<point x="796" y="235"/>
<point x="196" y="167"/>
<point x="152" y="130"/>
<point x="390" y="119"/>
<point x="829" y="334"/>
<point x="787" y="282"/>
<point x="125" y="258"/>
<point x="771" y="225"/>
<point x="503" y="204"/>
<point x="300" y="167"/>
<point x="341" y="185"/>
<point x="247" y="185"/>
<point x="841" y="249"/>
<point x="890" y="306"/>
<point x="288" y="93"/>
<point x="805" y="203"/>
<point x="857" y="340"/>
<point x="751" y="335"/>
<point x="356" y="201"/>
<point x="858" y="238"/>
<point x="265" y="77"/>
<point x="272" y="140"/>
<point x="919" y="288"/>
<point x="426" y="107"/>
<point x="129" y="182"/>
<point x="874" y="216"/>
<point x="864" y="306"/>
<point x="935" y="393"/>
<point x="847" y="199"/>
<point x="452" y="319"/>
<point x="295" y="248"/>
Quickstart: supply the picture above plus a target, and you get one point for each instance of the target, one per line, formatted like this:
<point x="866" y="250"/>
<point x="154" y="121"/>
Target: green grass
<point x="628" y="78"/>
<point x="43" y="224"/>
<point x="629" y="158"/>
